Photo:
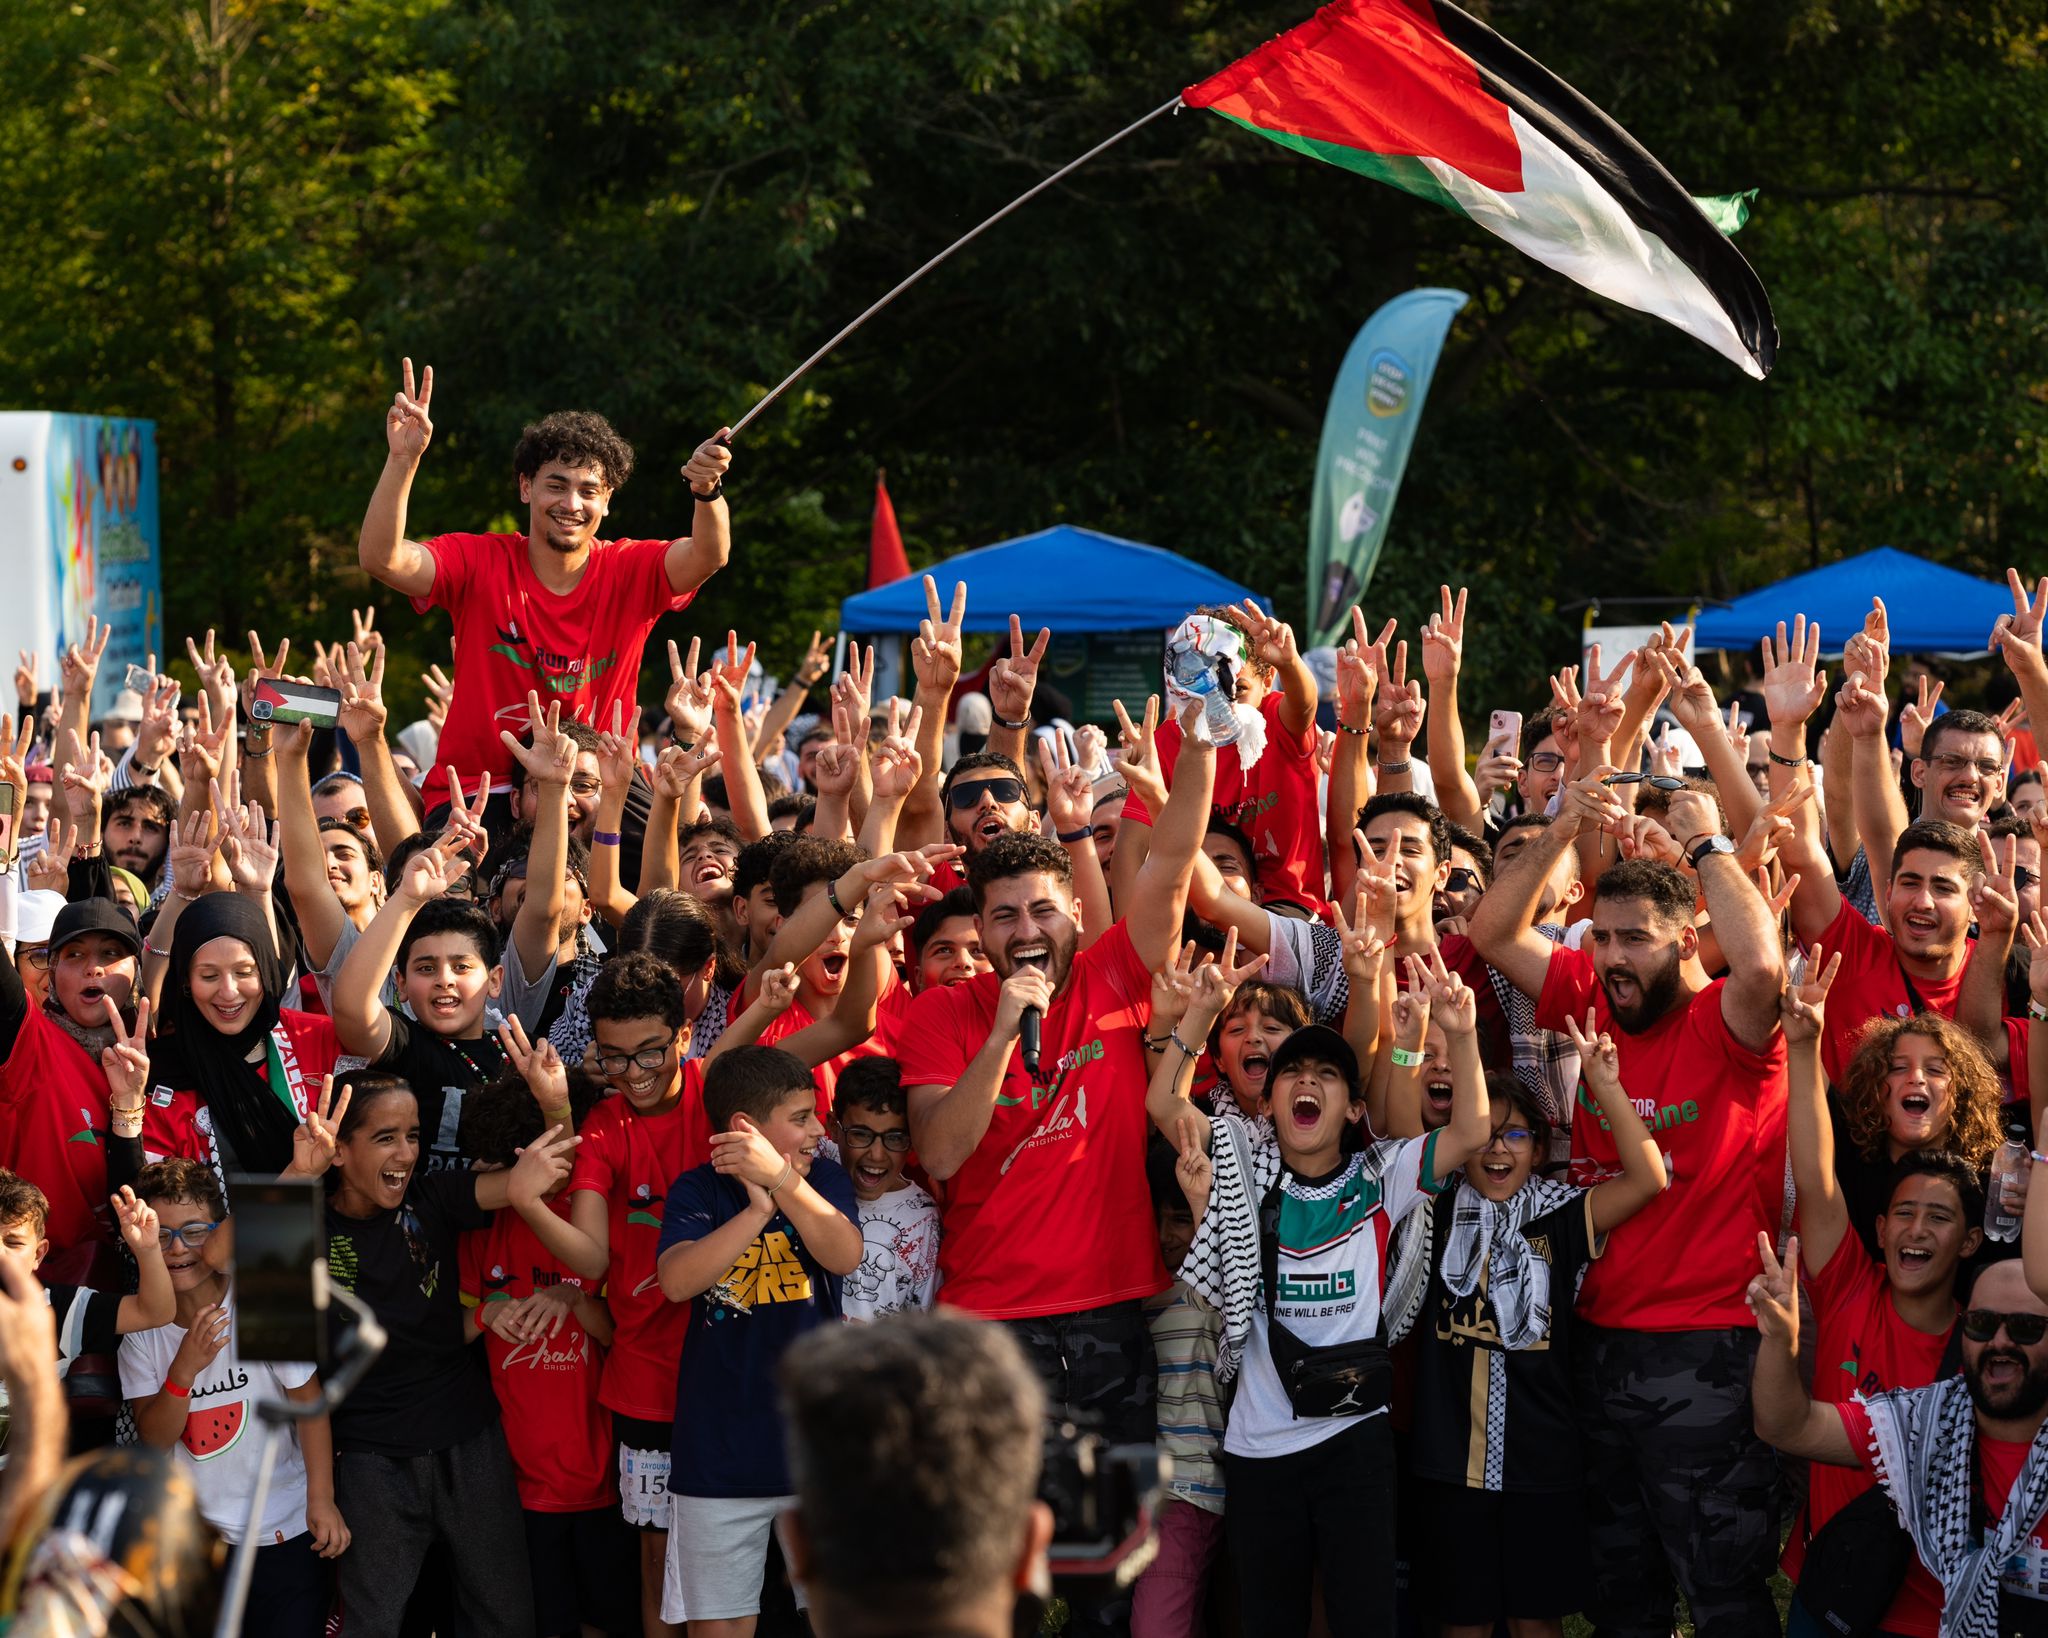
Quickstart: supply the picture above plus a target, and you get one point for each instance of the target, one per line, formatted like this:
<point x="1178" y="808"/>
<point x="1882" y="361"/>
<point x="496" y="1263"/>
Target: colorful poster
<point x="1367" y="434"/>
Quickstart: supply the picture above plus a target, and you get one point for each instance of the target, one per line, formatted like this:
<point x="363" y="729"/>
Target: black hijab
<point x="252" y="1124"/>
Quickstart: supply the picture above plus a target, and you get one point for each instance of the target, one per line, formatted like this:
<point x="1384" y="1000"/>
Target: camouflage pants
<point x="1679" y="1489"/>
<point x="1097" y="1367"/>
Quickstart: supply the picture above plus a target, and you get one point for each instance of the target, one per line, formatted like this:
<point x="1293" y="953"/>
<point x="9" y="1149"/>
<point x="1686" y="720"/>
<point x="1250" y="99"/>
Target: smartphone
<point x="1503" y="732"/>
<point x="277" y="700"/>
<point x="141" y="680"/>
<point x="280" y="1268"/>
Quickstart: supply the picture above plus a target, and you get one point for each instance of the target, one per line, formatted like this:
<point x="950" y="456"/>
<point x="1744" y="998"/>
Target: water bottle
<point x="1189" y="669"/>
<point x="2005" y="1194"/>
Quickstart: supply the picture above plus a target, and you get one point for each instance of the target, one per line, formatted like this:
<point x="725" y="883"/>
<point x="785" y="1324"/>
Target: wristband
<point x="832" y="898"/>
<point x="788" y="1171"/>
<point x="605" y="838"/>
<point x="2037" y="1156"/>
<point x="1344" y="727"/>
<point x="1005" y="722"/>
<point x="1173" y="1035"/>
<point x="1787" y="761"/>
<point x="717" y="489"/>
<point x="1404" y="1059"/>
<point x="686" y="746"/>
<point x="2036" y="1010"/>
<point x="1081" y="835"/>
<point x="175" y="1391"/>
<point x="1158" y="1043"/>
<point x="151" y="770"/>
<point x="150" y="949"/>
<point x="1402" y="766"/>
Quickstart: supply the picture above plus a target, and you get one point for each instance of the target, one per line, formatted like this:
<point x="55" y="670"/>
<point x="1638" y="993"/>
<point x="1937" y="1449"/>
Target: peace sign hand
<point x="1173" y="989"/>
<point x="1217" y="981"/>
<point x="2017" y="635"/>
<point x="1364" y="950"/>
<point x="1194" y="1171"/>
<point x="27" y="684"/>
<point x="1995" y="896"/>
<point x="81" y="661"/>
<point x="1773" y="1296"/>
<point x="1451" y="1003"/>
<point x="778" y="989"/>
<point x="464" y="830"/>
<point x="1443" y="638"/>
<point x="313" y="1144"/>
<point x="1802" y="1008"/>
<point x="935" y="651"/>
<point x="126" y="1062"/>
<point x="538" y="1063"/>
<point x="362" y="712"/>
<point x="1069" y="792"/>
<point x="688" y="701"/>
<point x="1917" y="715"/>
<point x="551" y="758"/>
<point x="729" y="675"/>
<point x="1599" y="1061"/>
<point x="811" y="669"/>
<point x="407" y="428"/>
<point x="1138" y="760"/>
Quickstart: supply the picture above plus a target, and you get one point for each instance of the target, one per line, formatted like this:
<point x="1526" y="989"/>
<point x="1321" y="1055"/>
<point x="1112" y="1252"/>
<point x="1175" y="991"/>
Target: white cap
<point x="35" y="913"/>
<point x="127" y="707"/>
<point x="974" y="714"/>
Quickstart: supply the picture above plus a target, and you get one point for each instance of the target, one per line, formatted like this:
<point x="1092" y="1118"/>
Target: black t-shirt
<point x="428" y="1390"/>
<point x="1526" y="1437"/>
<point x="439" y="1071"/>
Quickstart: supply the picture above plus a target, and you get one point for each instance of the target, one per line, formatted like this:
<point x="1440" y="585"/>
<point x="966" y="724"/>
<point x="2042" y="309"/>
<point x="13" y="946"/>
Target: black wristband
<point x="717" y="489"/>
<point x="1081" y="835"/>
<point x="1005" y="722"/>
<point x="1787" y="761"/>
<point x="832" y="898"/>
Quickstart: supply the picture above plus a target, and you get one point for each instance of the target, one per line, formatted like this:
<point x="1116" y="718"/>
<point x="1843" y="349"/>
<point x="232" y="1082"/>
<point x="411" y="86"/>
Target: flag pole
<point x="1026" y="197"/>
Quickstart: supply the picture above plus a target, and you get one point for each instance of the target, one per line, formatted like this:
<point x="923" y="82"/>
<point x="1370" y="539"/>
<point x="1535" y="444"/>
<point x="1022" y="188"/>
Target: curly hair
<point x="1021" y="853"/>
<point x="575" y="438"/>
<point x="1973" y="1086"/>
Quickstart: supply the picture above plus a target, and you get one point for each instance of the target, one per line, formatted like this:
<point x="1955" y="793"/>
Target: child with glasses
<point x="194" y="1396"/>
<point x="899" y="1222"/>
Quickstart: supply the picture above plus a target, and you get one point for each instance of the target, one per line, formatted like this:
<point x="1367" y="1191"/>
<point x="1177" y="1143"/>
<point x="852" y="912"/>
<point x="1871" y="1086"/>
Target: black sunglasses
<point x="1656" y="782"/>
<point x="1981" y="1325"/>
<point x="1462" y="879"/>
<point x="1002" y="790"/>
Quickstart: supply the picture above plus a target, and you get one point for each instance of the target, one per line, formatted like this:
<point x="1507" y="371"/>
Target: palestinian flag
<point x="1422" y="96"/>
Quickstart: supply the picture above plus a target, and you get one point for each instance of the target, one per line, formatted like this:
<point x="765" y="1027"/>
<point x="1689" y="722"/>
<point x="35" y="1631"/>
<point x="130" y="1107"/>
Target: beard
<point x="1058" y="964"/>
<point x="1658" y="992"/>
<point x="2024" y="1399"/>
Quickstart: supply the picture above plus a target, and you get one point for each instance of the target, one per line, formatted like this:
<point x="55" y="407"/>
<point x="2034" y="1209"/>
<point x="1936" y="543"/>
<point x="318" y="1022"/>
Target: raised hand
<point x="543" y="1166"/>
<point x="1771" y="829"/>
<point x="1599" y="1061"/>
<point x="86" y="777"/>
<point x="195" y="844"/>
<point x="136" y="1219"/>
<point x="425" y="877"/>
<point x="318" y="1135"/>
<point x="1859" y="708"/>
<point x="1069" y="792"/>
<point x="551" y="758"/>
<point x="81" y="661"/>
<point x="1361" y="663"/>
<point x="1364" y="950"/>
<point x="1802" y="1007"/>
<point x="729" y="675"/>
<point x="1194" y="1171"/>
<point x="1664" y="754"/>
<point x="156" y="736"/>
<point x="1014" y="678"/>
<point x="1915" y="717"/>
<point x="838" y="764"/>
<point x="854" y="688"/>
<point x="1217" y="981"/>
<point x="1590" y="803"/>
<point x="1138" y="756"/>
<point x="216" y="673"/>
<point x="1995" y="895"/>
<point x="1691" y="696"/>
<point x="1443" y="638"/>
<point x="778" y="988"/>
<point x="464" y="830"/>
<point x="125" y="1062"/>
<point x="203" y="746"/>
<point x="810" y="669"/>
<point x="407" y="428"/>
<point x="709" y="462"/>
<point x="889" y="909"/>
<point x="1173" y="990"/>
<point x="1603" y="705"/>
<point x="1271" y="639"/>
<point x="362" y="712"/>
<point x="1870" y="650"/>
<point x="204" y="1339"/>
<point x="1397" y="712"/>
<point x="538" y="1063"/>
<point x="897" y="765"/>
<point x="1738" y="736"/>
<point x="1451" y="1003"/>
<point x="935" y="651"/>
<point x="1794" y="683"/>
<point x="262" y="670"/>
<point x="248" y="848"/>
<point x="440" y="692"/>
<point x="688" y="700"/>
<point x="2034" y="934"/>
<point x="1773" y="1296"/>
<point x="27" y="677"/>
<point x="675" y="768"/>
<point x="1379" y="882"/>
<point x="2017" y="635"/>
<point x="1411" y="1017"/>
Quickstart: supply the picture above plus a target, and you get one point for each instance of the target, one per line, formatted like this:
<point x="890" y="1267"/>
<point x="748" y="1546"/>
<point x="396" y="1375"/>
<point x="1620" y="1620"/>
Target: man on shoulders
<point x="555" y="609"/>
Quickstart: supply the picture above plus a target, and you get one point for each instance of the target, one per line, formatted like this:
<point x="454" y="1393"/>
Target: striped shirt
<point x="1185" y="1334"/>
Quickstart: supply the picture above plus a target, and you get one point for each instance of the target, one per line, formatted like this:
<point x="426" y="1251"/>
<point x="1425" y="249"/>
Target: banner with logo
<point x="1367" y="433"/>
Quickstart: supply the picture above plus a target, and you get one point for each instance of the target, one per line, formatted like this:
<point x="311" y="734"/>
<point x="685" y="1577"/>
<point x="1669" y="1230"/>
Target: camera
<point x="1102" y="1497"/>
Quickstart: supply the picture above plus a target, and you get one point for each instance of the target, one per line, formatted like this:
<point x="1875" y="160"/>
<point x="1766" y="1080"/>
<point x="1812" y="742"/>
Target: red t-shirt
<point x="1871" y="985"/>
<point x="826" y="1075"/>
<point x="176" y="1124"/>
<point x="1717" y="1109"/>
<point x="1863" y="1346"/>
<point x="1051" y="1213"/>
<point x="560" y="1437"/>
<point x="1999" y="1461"/>
<point x="630" y="1159"/>
<point x="513" y="634"/>
<point x="53" y="1110"/>
<point x="1496" y="1042"/>
<point x="1275" y="805"/>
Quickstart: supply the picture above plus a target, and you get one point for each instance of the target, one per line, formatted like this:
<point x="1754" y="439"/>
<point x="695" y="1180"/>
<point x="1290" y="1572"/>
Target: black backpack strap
<point x="1269" y="1243"/>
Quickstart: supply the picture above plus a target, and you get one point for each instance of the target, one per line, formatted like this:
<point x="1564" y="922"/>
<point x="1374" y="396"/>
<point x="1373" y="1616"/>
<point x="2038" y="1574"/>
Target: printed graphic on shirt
<point x="1318" y="1276"/>
<point x="557" y="673"/>
<point x="1051" y="1077"/>
<point x="768" y="1271"/>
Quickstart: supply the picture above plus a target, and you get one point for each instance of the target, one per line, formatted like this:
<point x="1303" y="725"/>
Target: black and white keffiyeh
<point x="1924" y="1440"/>
<point x="1222" y="1264"/>
<point x="1486" y="1242"/>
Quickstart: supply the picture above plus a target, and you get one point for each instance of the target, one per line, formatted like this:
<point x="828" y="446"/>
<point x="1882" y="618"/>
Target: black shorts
<point x="1495" y="1555"/>
<point x="586" y="1571"/>
<point x="643" y="1458"/>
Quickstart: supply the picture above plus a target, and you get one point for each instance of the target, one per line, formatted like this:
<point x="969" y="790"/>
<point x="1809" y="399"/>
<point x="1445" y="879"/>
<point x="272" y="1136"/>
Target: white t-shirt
<point x="899" y="1264"/>
<point x="223" y="1439"/>
<point x="1334" y="1239"/>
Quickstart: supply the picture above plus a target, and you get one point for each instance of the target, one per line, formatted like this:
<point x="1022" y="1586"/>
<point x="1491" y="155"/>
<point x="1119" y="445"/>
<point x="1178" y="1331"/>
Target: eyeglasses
<point x="997" y="790"/>
<point x="1512" y="1137"/>
<point x="585" y="785"/>
<point x="1981" y="1325"/>
<point x="192" y="1235"/>
<point x="36" y="955"/>
<point x="866" y="1137"/>
<point x="615" y="1063"/>
<point x="1949" y="763"/>
<point x="1656" y="782"/>
<point x="1546" y="762"/>
<point x="1462" y="879"/>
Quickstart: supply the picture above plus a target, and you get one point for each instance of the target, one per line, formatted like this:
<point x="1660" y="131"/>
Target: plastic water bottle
<point x="2005" y="1194"/>
<point x="1190" y="670"/>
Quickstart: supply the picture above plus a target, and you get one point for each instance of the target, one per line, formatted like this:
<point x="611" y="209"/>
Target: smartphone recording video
<point x="280" y="1268"/>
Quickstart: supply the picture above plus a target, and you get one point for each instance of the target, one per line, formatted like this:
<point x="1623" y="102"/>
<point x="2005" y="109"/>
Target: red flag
<point x="886" y="562"/>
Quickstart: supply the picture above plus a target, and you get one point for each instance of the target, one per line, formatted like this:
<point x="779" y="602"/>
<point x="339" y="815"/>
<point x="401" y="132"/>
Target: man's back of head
<point x="915" y="1445"/>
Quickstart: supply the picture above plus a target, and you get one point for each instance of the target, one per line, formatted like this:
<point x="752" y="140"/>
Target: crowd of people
<point x="1423" y="1149"/>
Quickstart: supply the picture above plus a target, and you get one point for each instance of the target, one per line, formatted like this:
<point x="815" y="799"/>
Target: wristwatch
<point x="1706" y="845"/>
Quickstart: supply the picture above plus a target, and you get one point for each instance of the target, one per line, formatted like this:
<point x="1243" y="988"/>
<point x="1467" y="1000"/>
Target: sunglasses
<point x="1982" y="1324"/>
<point x="866" y="1137"/>
<point x="964" y="797"/>
<point x="1462" y="879"/>
<point x="2023" y="878"/>
<point x="1656" y="782"/>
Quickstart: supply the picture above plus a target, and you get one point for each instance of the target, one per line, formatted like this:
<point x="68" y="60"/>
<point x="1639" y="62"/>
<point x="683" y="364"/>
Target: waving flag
<point x="1420" y="95"/>
<point x="886" y="561"/>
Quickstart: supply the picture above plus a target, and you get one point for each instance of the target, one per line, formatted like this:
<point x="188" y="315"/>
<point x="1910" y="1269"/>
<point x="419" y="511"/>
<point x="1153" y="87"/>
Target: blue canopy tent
<point x="1072" y="580"/>
<point x="1932" y="610"/>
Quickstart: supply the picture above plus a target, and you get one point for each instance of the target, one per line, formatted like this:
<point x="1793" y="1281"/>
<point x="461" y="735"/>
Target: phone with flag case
<point x="278" y="699"/>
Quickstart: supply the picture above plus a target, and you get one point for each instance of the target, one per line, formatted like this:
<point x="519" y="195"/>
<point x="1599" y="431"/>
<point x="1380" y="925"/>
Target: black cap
<point x="94" y="916"/>
<point x="1320" y="1043"/>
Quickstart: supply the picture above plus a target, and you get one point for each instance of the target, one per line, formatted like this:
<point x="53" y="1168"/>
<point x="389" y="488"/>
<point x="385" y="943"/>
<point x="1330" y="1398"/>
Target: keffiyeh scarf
<point x="1486" y="1242"/>
<point x="1925" y="1443"/>
<point x="1222" y="1264"/>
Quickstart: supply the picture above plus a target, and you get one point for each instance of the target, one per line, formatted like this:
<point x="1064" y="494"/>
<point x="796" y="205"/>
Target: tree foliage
<point x="234" y="216"/>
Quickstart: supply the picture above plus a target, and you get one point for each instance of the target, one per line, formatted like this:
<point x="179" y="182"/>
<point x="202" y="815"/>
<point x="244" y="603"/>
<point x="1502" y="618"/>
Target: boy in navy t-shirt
<point x="756" y="1244"/>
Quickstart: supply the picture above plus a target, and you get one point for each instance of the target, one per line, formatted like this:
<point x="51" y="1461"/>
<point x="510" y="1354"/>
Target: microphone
<point x="1027" y="1037"/>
